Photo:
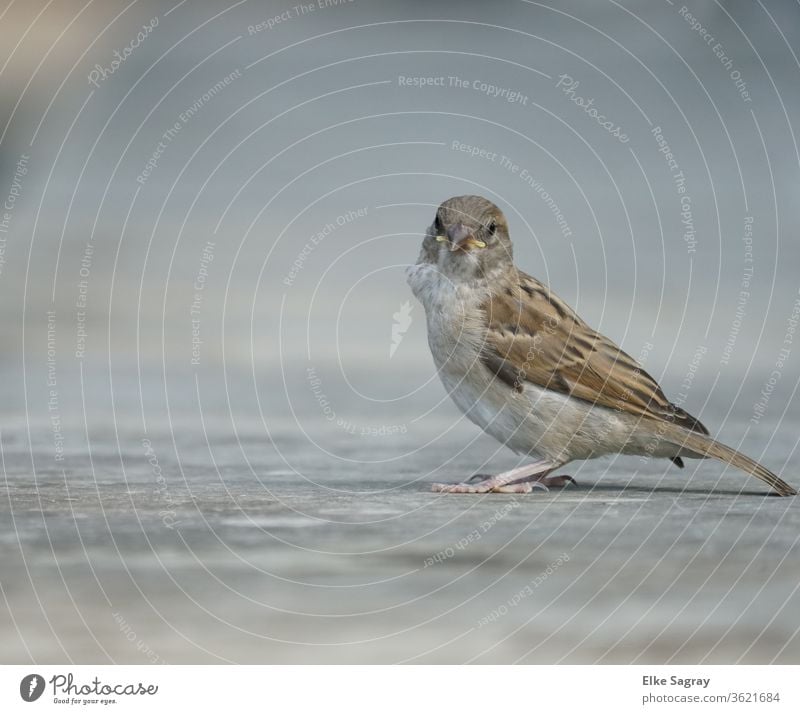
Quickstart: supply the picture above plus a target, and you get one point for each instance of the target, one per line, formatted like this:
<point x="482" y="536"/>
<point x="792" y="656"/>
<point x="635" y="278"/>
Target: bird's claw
<point x="558" y="481"/>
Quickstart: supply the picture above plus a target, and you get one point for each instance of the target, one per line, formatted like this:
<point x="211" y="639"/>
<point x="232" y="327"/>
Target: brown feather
<point x="703" y="444"/>
<point x="533" y="336"/>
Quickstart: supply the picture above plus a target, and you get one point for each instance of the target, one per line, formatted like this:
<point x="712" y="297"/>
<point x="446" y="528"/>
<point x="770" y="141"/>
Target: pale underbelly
<point x="550" y="425"/>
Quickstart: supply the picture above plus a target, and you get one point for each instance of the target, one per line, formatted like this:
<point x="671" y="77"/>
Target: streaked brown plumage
<point x="571" y="357"/>
<point x="526" y="368"/>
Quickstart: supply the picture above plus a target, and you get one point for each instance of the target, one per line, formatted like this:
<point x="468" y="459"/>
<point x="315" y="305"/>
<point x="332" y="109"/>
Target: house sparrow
<point x="526" y="369"/>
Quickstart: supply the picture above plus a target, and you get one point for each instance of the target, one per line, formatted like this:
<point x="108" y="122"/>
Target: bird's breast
<point x="455" y="325"/>
<point x="422" y="279"/>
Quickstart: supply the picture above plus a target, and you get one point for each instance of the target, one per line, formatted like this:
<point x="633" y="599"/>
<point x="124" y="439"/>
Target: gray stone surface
<point x="217" y="563"/>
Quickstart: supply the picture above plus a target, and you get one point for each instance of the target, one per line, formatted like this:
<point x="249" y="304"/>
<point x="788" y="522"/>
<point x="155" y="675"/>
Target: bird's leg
<point x="522" y="479"/>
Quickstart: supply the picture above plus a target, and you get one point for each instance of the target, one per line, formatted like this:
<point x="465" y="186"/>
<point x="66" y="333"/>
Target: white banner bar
<point x="402" y="690"/>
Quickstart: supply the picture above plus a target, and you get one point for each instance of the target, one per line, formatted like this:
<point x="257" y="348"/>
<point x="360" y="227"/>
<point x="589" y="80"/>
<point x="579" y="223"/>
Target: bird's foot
<point x="549" y="481"/>
<point x="489" y="485"/>
<point x="520" y="480"/>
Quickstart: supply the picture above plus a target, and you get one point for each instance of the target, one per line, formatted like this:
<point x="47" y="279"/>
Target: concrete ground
<point x="134" y="556"/>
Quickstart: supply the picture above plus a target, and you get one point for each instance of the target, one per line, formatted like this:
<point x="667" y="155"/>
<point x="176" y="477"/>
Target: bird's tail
<point x="704" y="445"/>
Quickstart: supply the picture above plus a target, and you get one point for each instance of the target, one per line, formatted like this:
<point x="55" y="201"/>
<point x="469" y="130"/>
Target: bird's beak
<point x="461" y="238"/>
<point x="468" y="244"/>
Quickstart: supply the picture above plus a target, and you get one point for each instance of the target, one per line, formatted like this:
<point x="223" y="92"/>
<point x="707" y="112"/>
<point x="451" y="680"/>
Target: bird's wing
<point x="532" y="336"/>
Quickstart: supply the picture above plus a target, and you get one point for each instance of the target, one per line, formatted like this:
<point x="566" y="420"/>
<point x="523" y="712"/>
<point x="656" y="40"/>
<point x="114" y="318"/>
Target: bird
<point x="525" y="368"/>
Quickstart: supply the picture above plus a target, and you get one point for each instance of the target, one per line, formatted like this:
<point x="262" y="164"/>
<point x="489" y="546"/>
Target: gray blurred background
<point x="204" y="425"/>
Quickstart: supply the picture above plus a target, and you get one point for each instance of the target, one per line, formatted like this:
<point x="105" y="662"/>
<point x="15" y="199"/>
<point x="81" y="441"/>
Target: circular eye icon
<point x="31" y="687"/>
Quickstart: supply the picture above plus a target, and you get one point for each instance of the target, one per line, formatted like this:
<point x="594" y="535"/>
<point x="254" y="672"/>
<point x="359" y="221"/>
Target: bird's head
<point x="469" y="238"/>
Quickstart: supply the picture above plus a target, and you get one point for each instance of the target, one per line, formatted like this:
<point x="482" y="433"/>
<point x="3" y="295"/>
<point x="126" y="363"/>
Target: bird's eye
<point x="438" y="230"/>
<point x="491" y="227"/>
